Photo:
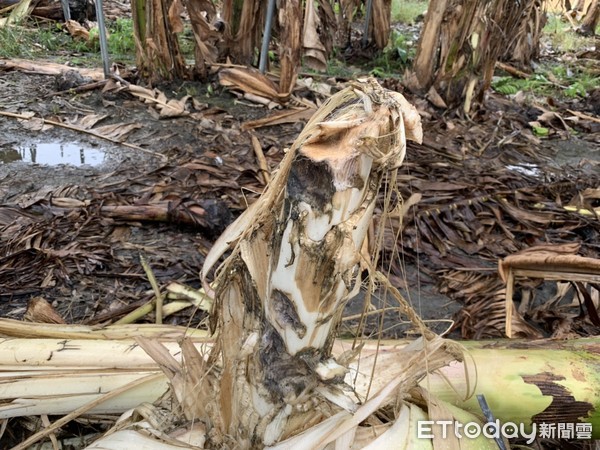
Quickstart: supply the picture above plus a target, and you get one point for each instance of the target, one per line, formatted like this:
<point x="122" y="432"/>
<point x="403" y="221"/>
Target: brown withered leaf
<point x="175" y="11"/>
<point x="118" y="131"/>
<point x="525" y="216"/>
<point x="591" y="309"/>
<point x="77" y="30"/>
<point x="483" y="315"/>
<point x="40" y="311"/>
<point x="10" y="215"/>
<point x="36" y="124"/>
<point x="426" y="185"/>
<point x="435" y="98"/>
<point x="250" y="81"/>
<point x="314" y="50"/>
<point x="168" y="108"/>
<point x="87" y="122"/>
<point x="291" y="115"/>
<point x="202" y="13"/>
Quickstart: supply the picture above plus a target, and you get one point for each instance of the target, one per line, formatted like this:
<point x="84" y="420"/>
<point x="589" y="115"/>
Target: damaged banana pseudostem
<point x="294" y="264"/>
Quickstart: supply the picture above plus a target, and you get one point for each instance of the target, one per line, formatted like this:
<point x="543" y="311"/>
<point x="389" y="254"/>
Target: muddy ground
<point x="87" y="264"/>
<point x="37" y="164"/>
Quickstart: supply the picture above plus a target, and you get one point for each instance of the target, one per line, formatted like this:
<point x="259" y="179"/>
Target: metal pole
<point x="103" y="41"/>
<point x="66" y="9"/>
<point x="264" y="50"/>
<point x="365" y="38"/>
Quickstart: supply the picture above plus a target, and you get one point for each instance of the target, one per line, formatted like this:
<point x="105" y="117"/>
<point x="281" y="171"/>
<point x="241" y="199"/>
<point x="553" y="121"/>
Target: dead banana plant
<point x="294" y="263"/>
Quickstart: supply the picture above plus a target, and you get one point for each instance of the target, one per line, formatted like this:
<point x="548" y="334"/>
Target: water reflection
<point x="54" y="153"/>
<point x="8" y="156"/>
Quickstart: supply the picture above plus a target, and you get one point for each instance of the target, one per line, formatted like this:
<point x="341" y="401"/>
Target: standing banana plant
<point x="156" y="24"/>
<point x="294" y="264"/>
<point x="524" y="45"/>
<point x="458" y="49"/>
<point x="591" y="19"/>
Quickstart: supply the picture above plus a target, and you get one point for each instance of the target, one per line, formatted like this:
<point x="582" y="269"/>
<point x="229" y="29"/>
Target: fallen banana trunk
<point x="58" y="376"/>
<point x="527" y="382"/>
<point x="559" y="380"/>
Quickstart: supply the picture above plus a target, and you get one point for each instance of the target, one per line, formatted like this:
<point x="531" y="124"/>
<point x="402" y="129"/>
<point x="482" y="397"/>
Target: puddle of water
<point x="53" y="154"/>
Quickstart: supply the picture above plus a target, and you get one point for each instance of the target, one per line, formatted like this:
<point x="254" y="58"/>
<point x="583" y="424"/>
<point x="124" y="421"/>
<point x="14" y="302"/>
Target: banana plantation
<point x="277" y="224"/>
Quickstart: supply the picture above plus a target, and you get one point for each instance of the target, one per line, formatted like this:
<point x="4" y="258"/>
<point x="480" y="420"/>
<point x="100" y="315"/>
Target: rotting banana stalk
<point x="293" y="266"/>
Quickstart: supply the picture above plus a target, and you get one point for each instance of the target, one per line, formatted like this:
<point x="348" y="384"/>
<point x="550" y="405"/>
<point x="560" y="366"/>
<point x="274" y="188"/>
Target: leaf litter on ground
<point x="476" y="204"/>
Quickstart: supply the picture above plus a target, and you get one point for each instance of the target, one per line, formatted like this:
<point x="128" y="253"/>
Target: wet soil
<point x="38" y="165"/>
